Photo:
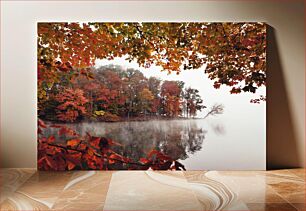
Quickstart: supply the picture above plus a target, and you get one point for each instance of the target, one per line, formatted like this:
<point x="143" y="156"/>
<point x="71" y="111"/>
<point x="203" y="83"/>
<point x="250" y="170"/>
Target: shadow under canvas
<point x="281" y="139"/>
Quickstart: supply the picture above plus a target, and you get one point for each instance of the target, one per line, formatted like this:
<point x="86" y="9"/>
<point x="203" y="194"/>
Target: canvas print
<point x="151" y="96"/>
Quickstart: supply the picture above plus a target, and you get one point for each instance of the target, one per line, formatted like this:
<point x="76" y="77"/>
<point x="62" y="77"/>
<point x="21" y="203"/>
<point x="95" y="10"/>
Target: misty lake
<point x="179" y="139"/>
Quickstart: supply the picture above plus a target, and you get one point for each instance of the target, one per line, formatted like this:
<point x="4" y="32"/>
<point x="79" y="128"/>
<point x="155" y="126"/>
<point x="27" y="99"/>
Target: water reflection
<point x="176" y="138"/>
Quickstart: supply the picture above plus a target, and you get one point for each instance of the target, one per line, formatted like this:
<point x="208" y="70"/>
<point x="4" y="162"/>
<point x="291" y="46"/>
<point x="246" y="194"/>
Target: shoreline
<point x="131" y="119"/>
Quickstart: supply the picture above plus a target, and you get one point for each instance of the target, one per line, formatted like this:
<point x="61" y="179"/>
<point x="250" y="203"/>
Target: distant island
<point x="112" y="94"/>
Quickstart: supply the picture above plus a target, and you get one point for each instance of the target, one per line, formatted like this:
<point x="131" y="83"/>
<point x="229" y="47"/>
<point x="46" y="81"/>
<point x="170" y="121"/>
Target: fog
<point x="234" y="140"/>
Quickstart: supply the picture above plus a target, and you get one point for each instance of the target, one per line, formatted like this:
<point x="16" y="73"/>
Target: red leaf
<point x="56" y="126"/>
<point x="51" y="139"/>
<point x="82" y="146"/>
<point x="51" y="162"/>
<point x="94" y="141"/>
<point x="217" y="85"/>
<point x="144" y="160"/>
<point x="41" y="123"/>
<point x="62" y="131"/>
<point x="70" y="165"/>
<point x="66" y="131"/>
<point x="115" y="158"/>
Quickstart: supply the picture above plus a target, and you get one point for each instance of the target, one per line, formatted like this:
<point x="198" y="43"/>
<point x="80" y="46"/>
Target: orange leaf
<point x="90" y="152"/>
<point x="115" y="157"/>
<point x="73" y="142"/>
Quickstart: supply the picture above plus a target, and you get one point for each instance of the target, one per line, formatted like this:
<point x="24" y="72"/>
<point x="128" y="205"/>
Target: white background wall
<point x="18" y="63"/>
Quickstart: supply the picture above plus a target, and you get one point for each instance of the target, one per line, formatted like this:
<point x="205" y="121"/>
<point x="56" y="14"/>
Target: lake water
<point x="235" y="140"/>
<point x="199" y="144"/>
<point x="179" y="139"/>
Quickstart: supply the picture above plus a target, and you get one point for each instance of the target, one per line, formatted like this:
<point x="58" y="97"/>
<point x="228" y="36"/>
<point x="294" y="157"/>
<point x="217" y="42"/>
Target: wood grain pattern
<point x="28" y="189"/>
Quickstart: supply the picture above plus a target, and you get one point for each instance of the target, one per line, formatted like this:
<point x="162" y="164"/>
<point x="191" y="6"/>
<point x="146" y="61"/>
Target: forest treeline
<point x="111" y="93"/>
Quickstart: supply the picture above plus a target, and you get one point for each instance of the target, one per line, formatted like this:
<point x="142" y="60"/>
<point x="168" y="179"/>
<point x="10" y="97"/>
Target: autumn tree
<point x="91" y="89"/>
<point x="113" y="94"/>
<point x="154" y="85"/>
<point x="170" y="93"/>
<point x="136" y="83"/>
<point x="114" y="88"/>
<point x="234" y="53"/>
<point x="146" y="97"/>
<point x="72" y="104"/>
<point x="192" y="102"/>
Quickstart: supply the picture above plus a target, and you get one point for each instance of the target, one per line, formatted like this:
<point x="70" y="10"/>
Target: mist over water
<point x="234" y="140"/>
<point x="199" y="144"/>
<point x="179" y="139"/>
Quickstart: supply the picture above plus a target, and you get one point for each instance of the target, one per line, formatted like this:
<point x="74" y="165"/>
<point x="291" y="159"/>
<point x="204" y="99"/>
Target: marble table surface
<point x="29" y="189"/>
